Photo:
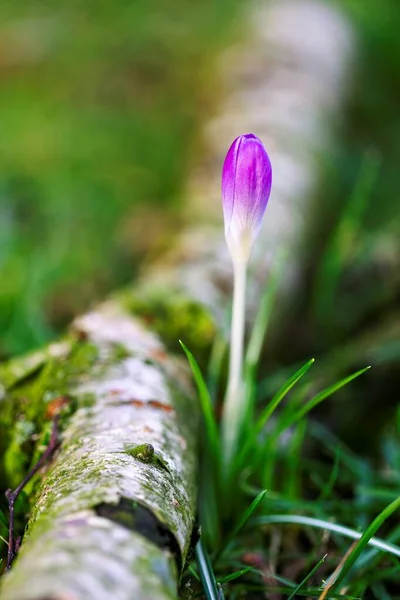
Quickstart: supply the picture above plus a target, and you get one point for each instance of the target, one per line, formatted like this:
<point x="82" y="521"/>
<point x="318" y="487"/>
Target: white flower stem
<point x="234" y="401"/>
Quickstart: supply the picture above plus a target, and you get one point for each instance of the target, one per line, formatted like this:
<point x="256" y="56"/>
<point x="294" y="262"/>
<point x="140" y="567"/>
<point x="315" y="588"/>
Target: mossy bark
<point x="114" y="515"/>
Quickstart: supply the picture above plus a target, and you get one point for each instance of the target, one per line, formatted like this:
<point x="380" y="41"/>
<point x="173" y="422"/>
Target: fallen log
<point x="115" y="513"/>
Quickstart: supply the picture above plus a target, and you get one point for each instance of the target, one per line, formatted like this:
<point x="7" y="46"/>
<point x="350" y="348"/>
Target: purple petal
<point x="246" y="186"/>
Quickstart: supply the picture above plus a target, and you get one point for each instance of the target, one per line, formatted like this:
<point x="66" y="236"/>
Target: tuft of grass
<point x="271" y="441"/>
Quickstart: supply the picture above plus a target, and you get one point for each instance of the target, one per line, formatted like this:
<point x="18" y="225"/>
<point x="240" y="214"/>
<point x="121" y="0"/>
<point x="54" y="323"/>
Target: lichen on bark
<point x="86" y="556"/>
<point x="31" y="387"/>
<point x="130" y="394"/>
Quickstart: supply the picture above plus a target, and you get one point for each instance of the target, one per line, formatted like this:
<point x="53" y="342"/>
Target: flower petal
<point x="246" y="187"/>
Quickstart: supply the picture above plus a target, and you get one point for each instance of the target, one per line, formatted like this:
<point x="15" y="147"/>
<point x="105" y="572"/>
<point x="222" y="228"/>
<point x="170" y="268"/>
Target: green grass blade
<point x="208" y="502"/>
<point x="280" y="395"/>
<point x="267" y="412"/>
<point x="342" y="246"/>
<point x="327" y="489"/>
<point x="218" y="352"/>
<point x="194" y="573"/>
<point x="365" y="539"/>
<point x="261" y="322"/>
<point x="306" y="578"/>
<point x="292" y="463"/>
<point x="235" y="575"/>
<point x="380" y="592"/>
<point x="369" y="557"/>
<point x="206" y="404"/>
<point x="328" y="525"/>
<point x="324" y="394"/>
<point x="351" y="461"/>
<point x="206" y="573"/>
<point x="243" y="520"/>
<point x="312" y="592"/>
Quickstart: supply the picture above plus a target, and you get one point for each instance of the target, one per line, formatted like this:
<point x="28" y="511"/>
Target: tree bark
<point x="115" y="513"/>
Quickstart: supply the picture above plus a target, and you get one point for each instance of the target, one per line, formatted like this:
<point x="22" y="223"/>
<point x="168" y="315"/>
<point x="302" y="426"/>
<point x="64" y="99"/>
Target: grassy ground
<point x="99" y="109"/>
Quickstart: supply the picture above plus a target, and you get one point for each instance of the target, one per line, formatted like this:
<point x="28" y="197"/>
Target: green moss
<point x="58" y="478"/>
<point x="16" y="457"/>
<point x="145" y="453"/>
<point x="56" y="379"/>
<point x="120" y="352"/>
<point x="31" y="399"/>
<point x="22" y="368"/>
<point x="173" y="316"/>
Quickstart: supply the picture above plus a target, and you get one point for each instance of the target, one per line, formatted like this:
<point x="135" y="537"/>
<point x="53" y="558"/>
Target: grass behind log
<point x="99" y="111"/>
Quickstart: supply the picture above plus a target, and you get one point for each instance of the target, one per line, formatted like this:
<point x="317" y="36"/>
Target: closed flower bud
<point x="246" y="186"/>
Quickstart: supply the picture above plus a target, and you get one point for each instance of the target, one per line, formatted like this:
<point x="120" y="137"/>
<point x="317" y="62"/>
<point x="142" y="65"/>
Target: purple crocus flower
<point x="246" y="186"/>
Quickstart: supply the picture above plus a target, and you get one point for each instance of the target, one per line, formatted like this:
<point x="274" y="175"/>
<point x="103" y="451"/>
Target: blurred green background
<point x="100" y="103"/>
<point x="100" y="108"/>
